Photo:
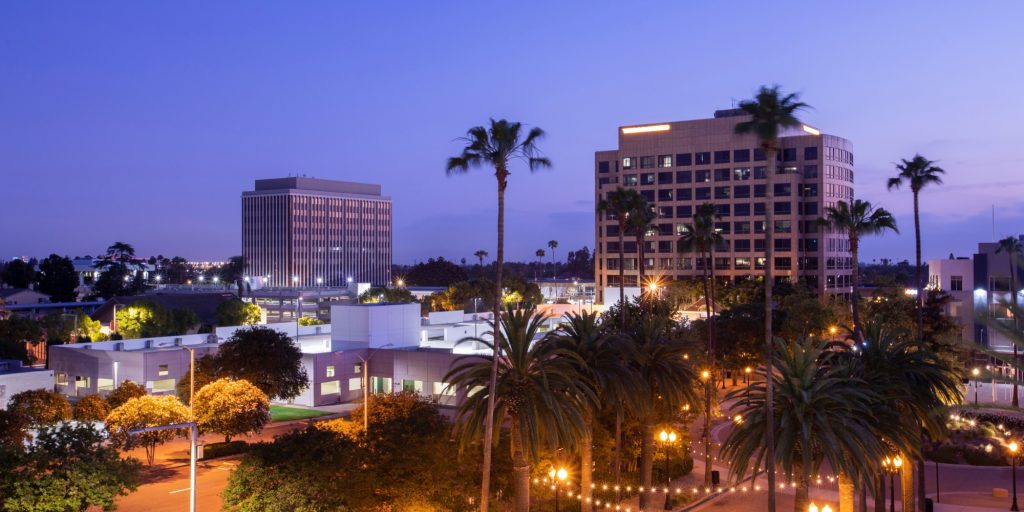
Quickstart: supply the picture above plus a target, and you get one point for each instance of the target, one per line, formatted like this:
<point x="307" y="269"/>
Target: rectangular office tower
<point x="305" y="232"/>
<point x="680" y="165"/>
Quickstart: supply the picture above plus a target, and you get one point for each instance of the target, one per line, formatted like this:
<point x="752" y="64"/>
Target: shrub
<point x="217" y="450"/>
<point x="91" y="408"/>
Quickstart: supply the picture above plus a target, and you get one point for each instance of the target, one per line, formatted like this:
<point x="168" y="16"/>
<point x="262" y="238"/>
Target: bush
<point x="91" y="408"/>
<point x="40" y="406"/>
<point x="218" y="450"/>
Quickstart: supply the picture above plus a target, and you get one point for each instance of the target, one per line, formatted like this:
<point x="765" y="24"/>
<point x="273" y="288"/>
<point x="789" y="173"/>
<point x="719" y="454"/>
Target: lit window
<point x="162" y="370"/>
<point x="330" y="371"/>
<point x="444" y="389"/>
<point x="355" y="384"/>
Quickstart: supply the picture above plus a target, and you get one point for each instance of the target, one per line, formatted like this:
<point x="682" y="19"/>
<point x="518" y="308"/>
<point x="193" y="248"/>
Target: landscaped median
<point x="286" y="413"/>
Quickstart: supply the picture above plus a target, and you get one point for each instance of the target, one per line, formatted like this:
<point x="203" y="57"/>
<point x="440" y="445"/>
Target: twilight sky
<point x="144" y="121"/>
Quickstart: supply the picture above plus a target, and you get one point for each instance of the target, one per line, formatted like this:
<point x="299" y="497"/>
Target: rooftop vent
<point x="731" y="112"/>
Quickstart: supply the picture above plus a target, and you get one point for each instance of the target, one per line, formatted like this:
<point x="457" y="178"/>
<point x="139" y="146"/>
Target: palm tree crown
<point x="496" y="145"/>
<point x="858" y="219"/>
<point x="771" y="111"/>
<point x="918" y="172"/>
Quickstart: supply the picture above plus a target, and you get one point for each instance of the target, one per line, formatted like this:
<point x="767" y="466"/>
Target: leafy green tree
<point x="13" y="432"/>
<point x="435" y="272"/>
<point x="18" y="273"/>
<point x="309" y="320"/>
<point x="265" y="357"/>
<point x="40" y="406"/>
<point x="145" y="319"/>
<point x="822" y="414"/>
<point x="604" y="361"/>
<point x="619" y="204"/>
<point x="918" y="173"/>
<point x="538" y="389"/>
<point x="125" y="391"/>
<point x="580" y="263"/>
<point x="857" y="219"/>
<point x="495" y="146"/>
<point x="770" y="112"/>
<point x="14" y="333"/>
<point x="1014" y="249"/>
<point x="231" y="408"/>
<point x="146" y="411"/>
<point x="380" y="294"/>
<point x="91" y="408"/>
<point x="57" y="278"/>
<point x="67" y="468"/>
<point x="237" y="312"/>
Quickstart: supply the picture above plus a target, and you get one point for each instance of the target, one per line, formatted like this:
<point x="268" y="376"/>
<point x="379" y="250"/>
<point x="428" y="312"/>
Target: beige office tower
<point x="306" y="232"/>
<point x="678" y="166"/>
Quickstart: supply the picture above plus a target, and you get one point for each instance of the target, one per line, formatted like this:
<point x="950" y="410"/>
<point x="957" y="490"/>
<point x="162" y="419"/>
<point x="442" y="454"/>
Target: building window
<point x="162" y="370"/>
<point x="723" y="228"/>
<point x="741" y="191"/>
<point x="721" y="157"/>
<point x="627" y="162"/>
<point x="162" y="385"/>
<point x="741" y="173"/>
<point x="783" y="190"/>
<point x="703" y="193"/>
<point x="722" y="192"/>
<point x="741" y="245"/>
<point x="646" y="162"/>
<point x="648" y="195"/>
<point x="684" y="159"/>
<point x="330" y="370"/>
<point x="665" y="194"/>
<point x="810" y="171"/>
<point x="681" y="229"/>
<point x="722" y="210"/>
<point x="809" y="208"/>
<point x="783" y="263"/>
<point x="759" y="155"/>
<point x="355" y="384"/>
<point x="685" y="263"/>
<point x="809" y="190"/>
<point x="665" y="212"/>
<point x="62" y="378"/>
<point x="741" y="263"/>
<point x="760" y="173"/>
<point x="684" y="194"/>
<point x="331" y="387"/>
<point x="444" y="389"/>
<point x="760" y="190"/>
<point x="415" y="386"/>
<point x="664" y="160"/>
<point x="722" y="263"/>
<point x="741" y="228"/>
<point x="702" y="158"/>
<point x="741" y="209"/>
<point x="684" y="176"/>
<point x="956" y="283"/>
<point x="741" y="155"/>
<point x="665" y="245"/>
<point x="759" y="209"/>
<point x="789" y="154"/>
<point x="783" y="208"/>
<point x="811" y="153"/>
<point x="703" y="176"/>
<point x="664" y="178"/>
<point x="602" y="167"/>
<point x="783" y="244"/>
<point x="783" y="226"/>
<point x="722" y="174"/>
<point x="629" y="180"/>
<point x="647" y="178"/>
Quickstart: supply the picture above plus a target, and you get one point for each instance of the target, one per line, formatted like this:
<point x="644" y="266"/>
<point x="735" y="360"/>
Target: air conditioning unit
<point x="177" y="342"/>
<point x="119" y="346"/>
<point x="149" y="343"/>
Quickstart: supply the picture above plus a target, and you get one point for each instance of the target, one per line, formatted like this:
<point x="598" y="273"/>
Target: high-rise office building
<point x="680" y="165"/>
<point x="305" y="232"/>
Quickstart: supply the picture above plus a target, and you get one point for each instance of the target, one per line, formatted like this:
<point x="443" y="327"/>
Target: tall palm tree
<point x="701" y="237"/>
<point x="823" y="414"/>
<point x="538" y="389"/>
<point x="1014" y="249"/>
<point x="620" y="203"/>
<point x="667" y="379"/>
<point x="857" y="219"/>
<point x="480" y="255"/>
<point x="605" y="361"/>
<point x="553" y="244"/>
<point x="540" y="261"/>
<point x="770" y="112"/>
<point x="640" y="220"/>
<point x="918" y="172"/>
<point x="496" y="146"/>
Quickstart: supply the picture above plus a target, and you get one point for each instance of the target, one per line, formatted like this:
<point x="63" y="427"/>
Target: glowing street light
<point x="557" y="475"/>
<point x="975" y="372"/>
<point x="319" y="281"/>
<point x="1014" y="448"/>
<point x="667" y="438"/>
<point x="705" y="375"/>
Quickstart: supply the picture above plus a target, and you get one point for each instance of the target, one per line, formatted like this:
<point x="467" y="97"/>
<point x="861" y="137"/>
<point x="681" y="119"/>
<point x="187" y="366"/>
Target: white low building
<point x="15" y="378"/>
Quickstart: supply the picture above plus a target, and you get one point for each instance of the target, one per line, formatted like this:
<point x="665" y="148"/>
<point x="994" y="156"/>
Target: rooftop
<point x="317" y="185"/>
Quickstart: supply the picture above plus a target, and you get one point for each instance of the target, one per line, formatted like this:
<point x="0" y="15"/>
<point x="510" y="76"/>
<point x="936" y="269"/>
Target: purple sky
<point x="144" y="121"/>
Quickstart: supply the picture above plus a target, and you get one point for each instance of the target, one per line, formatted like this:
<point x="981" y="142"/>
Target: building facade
<point x="304" y="232"/>
<point x="679" y="166"/>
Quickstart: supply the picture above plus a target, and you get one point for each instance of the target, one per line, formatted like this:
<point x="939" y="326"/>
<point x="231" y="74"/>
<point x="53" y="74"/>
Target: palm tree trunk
<point x="520" y="471"/>
<point x="907" y="486"/>
<point x="768" y="338"/>
<point x="647" y="465"/>
<point x="622" y="273"/>
<point x="587" y="463"/>
<point x="709" y="385"/>
<point x="1013" y="297"/>
<point x="801" y="496"/>
<point x="920" y="481"/>
<point x="917" y="273"/>
<point x="618" y="456"/>
<point x="862" y="506"/>
<point x="845" y="493"/>
<point x="488" y="441"/>
<point x="858" y="334"/>
<point x="880" y="494"/>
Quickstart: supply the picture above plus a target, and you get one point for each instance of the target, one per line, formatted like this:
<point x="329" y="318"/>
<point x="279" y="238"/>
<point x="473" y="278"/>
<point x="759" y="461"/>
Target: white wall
<point x="15" y="382"/>
<point x="376" y="324"/>
<point x="611" y="294"/>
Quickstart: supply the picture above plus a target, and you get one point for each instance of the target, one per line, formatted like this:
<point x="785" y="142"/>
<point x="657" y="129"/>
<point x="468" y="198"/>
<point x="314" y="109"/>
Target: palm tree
<point x="480" y="255"/>
<point x="666" y="378"/>
<point x="917" y="172"/>
<point x="620" y="203"/>
<point x="605" y="361"/>
<point x="553" y="244"/>
<point x="823" y="414"/>
<point x="640" y="219"/>
<point x="1014" y="249"/>
<point x="495" y="147"/>
<point x="540" y="261"/>
<point x="701" y="236"/>
<point x="121" y="251"/>
<point x="538" y="389"/>
<point x="858" y="219"/>
<point x="770" y="111"/>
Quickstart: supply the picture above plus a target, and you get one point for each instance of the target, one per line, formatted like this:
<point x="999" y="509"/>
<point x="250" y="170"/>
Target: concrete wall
<point x="377" y="324"/>
<point x="12" y="383"/>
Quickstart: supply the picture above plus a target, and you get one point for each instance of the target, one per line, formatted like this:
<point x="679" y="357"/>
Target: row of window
<point x="723" y="228"/>
<point x="631" y="280"/>
<point x="721" y="263"/>
<point x="706" y="175"/>
<point x="709" y="157"/>
<point x="723" y="245"/>
<point x="839" y="155"/>
<point x="838" y="173"/>
<point x="726" y="192"/>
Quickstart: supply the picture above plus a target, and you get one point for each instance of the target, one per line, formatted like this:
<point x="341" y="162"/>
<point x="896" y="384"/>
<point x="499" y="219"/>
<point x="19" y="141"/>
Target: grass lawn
<point x="285" y="413"/>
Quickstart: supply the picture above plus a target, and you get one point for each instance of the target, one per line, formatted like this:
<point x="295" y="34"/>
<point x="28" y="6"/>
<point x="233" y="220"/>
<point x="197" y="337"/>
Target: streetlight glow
<point x="705" y="375"/>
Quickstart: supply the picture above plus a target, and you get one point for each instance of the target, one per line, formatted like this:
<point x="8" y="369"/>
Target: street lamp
<point x="557" y="475"/>
<point x="746" y="373"/>
<point x="892" y="466"/>
<point x="366" y="386"/>
<point x="668" y="438"/>
<point x="1014" y="448"/>
<point x="975" y="372"/>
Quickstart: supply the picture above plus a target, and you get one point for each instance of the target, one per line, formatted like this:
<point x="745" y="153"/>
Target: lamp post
<point x="191" y="425"/>
<point x="1014" y="448"/>
<point x="975" y="372"/>
<point x="191" y="378"/>
<point x="366" y="386"/>
<point x="892" y="466"/>
<point x="668" y="438"/>
<point x="557" y="475"/>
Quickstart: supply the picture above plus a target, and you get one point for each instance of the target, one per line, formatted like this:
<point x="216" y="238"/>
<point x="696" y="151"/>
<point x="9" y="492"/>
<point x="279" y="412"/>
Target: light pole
<point x="706" y="377"/>
<point x="667" y="439"/>
<point x="1014" y="448"/>
<point x="366" y="386"/>
<point x="557" y="475"/>
<point x="191" y="425"/>
<point x="975" y="372"/>
<point x="892" y="466"/>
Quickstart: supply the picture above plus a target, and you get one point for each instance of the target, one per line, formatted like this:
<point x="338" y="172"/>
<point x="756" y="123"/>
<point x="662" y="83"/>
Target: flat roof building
<point x="305" y="232"/>
<point x="680" y="165"/>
